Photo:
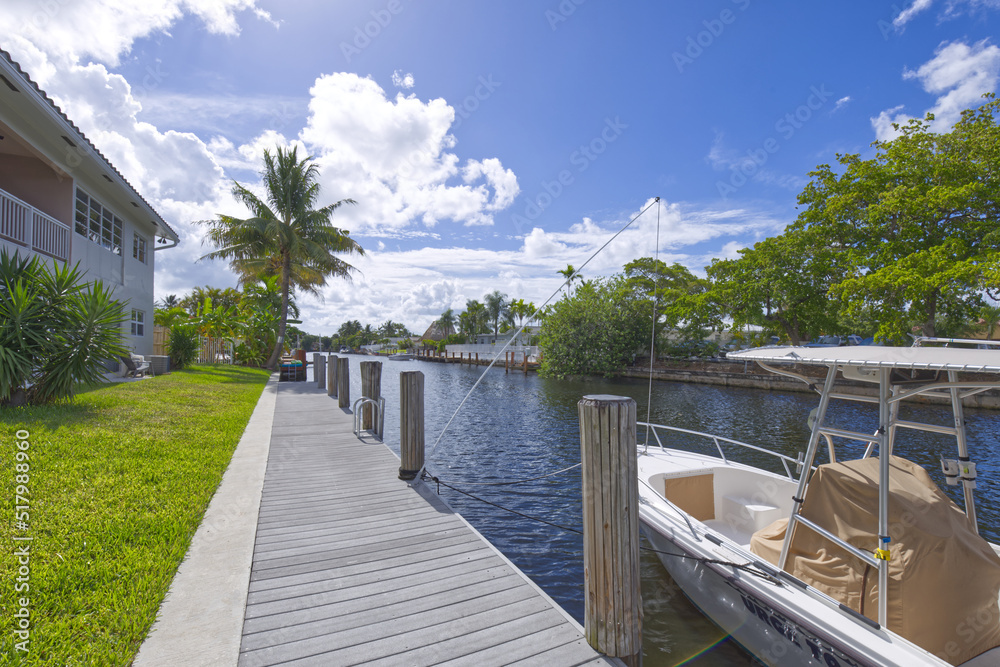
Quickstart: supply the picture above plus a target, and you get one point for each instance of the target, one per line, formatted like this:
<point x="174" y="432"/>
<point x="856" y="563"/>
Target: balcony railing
<point x="27" y="226"/>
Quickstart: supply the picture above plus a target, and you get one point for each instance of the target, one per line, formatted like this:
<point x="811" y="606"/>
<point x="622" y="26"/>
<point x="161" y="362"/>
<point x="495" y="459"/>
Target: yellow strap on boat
<point x="882" y="554"/>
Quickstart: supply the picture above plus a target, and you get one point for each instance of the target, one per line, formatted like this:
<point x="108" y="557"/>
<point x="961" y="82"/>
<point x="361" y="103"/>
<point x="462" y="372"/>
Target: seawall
<point x="749" y="375"/>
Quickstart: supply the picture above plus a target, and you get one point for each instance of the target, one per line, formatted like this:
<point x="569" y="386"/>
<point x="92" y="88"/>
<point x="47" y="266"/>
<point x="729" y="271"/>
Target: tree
<point x="522" y="310"/>
<point x="169" y="301"/>
<point x="473" y="321"/>
<point x="917" y="225"/>
<point x="780" y="283"/>
<point x="286" y="235"/>
<point x="56" y="330"/>
<point x="597" y="331"/>
<point x="446" y="322"/>
<point x="496" y="309"/>
<point x="672" y="289"/>
<point x="570" y="274"/>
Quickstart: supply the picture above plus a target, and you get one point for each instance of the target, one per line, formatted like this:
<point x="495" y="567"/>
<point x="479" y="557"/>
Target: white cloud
<point x="958" y="74"/>
<point x="842" y="102"/>
<point x="907" y="14"/>
<point x="952" y="9"/>
<point x="69" y="31"/>
<point x="394" y="156"/>
<point x="401" y="80"/>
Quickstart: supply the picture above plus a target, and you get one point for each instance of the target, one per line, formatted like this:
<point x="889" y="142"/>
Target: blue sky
<point x="489" y="144"/>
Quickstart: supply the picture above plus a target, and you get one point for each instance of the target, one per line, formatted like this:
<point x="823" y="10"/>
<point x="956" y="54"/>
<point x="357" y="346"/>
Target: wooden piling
<point x="506" y="361"/>
<point x="371" y="387"/>
<point x="319" y="370"/>
<point x="344" y="382"/>
<point x="331" y="376"/>
<point x="525" y="355"/>
<point x="612" y="599"/>
<point x="411" y="424"/>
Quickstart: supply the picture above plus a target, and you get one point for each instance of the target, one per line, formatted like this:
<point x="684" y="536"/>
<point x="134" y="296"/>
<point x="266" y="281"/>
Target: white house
<point x="61" y="199"/>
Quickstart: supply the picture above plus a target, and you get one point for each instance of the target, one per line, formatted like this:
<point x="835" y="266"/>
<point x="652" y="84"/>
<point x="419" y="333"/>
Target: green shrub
<point x="56" y="330"/>
<point x="183" y="346"/>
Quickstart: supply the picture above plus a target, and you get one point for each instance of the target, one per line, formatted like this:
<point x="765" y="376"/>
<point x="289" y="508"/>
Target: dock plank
<point x="353" y="566"/>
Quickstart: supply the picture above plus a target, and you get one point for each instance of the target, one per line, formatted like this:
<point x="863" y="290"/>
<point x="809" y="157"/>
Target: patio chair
<point x="135" y="366"/>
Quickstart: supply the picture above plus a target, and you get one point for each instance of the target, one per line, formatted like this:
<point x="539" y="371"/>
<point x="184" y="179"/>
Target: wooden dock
<point x="353" y="566"/>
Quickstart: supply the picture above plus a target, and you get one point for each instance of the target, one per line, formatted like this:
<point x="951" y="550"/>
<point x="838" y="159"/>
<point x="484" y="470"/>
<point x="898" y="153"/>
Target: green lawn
<point x="119" y="479"/>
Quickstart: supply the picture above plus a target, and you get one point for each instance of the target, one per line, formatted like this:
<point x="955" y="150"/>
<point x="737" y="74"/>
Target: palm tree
<point x="169" y="301"/>
<point x="496" y="309"/>
<point x="521" y="309"/>
<point x="286" y="236"/>
<point x="473" y="319"/>
<point x="446" y="323"/>
<point x="989" y="320"/>
<point x="570" y="274"/>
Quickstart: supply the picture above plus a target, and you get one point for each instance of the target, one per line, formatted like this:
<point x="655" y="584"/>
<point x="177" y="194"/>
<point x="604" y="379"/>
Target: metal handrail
<point x="378" y="404"/>
<point x="785" y="460"/>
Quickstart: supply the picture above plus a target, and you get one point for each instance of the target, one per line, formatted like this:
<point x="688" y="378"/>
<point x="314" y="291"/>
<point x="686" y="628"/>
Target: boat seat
<point x="748" y="515"/>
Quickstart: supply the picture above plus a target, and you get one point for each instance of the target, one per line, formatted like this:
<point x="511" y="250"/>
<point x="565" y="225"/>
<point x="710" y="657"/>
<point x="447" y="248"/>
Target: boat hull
<point x="775" y="617"/>
<point x="770" y="635"/>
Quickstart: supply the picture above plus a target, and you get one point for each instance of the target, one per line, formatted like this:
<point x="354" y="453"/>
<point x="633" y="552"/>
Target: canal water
<point x="517" y="426"/>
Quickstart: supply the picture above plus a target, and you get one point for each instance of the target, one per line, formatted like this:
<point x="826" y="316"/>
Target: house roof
<point x="9" y="68"/>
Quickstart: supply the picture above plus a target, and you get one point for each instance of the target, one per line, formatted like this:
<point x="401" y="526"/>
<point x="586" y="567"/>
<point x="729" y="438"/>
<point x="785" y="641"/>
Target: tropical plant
<point x="168" y="317"/>
<point x="473" y="321"/>
<point x="597" y="331"/>
<point x="497" y="309"/>
<point x="56" y="330"/>
<point x="286" y="235"/>
<point x="169" y="301"/>
<point x="446" y="323"/>
<point x="571" y="275"/>
<point x="183" y="345"/>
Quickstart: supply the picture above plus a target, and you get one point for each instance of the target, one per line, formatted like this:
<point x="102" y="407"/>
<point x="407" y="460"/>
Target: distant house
<point x="62" y="200"/>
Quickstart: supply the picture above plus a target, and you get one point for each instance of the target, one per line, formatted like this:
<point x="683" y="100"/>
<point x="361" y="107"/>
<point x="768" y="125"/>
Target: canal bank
<point x="720" y="372"/>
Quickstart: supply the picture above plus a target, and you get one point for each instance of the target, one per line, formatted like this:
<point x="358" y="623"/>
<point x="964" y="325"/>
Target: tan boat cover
<point x="944" y="579"/>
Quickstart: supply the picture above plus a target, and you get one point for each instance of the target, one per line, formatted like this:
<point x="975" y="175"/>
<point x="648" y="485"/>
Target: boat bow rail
<point x="718" y="440"/>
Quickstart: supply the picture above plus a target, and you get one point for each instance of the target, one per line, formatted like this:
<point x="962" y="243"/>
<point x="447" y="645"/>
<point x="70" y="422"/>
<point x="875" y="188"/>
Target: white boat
<point x="402" y="356"/>
<point x="812" y="594"/>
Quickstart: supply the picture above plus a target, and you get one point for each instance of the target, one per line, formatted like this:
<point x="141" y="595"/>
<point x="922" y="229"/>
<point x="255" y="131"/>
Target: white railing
<point x="29" y="227"/>
<point x="718" y="441"/>
<point x="215" y="350"/>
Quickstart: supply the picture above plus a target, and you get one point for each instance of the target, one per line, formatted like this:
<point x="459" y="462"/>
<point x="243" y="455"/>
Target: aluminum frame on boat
<point x="776" y="616"/>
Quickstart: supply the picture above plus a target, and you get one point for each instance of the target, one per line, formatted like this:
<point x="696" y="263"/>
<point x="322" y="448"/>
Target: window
<point x="139" y="248"/>
<point x="97" y="223"/>
<point x="138" y="319"/>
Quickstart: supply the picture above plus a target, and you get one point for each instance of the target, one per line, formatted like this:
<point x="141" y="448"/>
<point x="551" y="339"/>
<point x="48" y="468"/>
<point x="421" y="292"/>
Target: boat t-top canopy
<point x="874" y="356"/>
<point x="882" y="366"/>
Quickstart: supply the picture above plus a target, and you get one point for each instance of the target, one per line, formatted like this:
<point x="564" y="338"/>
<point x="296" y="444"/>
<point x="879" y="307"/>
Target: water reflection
<point x="516" y="427"/>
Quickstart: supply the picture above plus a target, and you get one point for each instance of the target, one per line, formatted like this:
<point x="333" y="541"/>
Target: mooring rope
<point x="522" y="481"/>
